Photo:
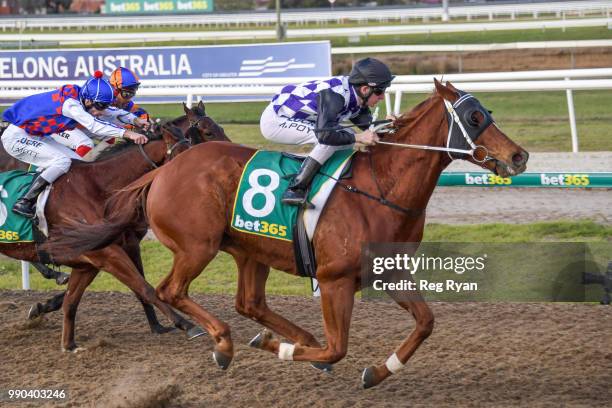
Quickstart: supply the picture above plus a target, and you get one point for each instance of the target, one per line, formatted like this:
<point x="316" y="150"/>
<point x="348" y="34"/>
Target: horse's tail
<point x="124" y="210"/>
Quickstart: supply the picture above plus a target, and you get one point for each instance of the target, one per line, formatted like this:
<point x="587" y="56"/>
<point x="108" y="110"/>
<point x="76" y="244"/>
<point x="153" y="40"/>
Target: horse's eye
<point x="475" y="118"/>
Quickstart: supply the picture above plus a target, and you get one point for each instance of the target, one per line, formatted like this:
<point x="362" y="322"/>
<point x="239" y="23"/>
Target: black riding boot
<point x="298" y="189"/>
<point x="25" y="205"/>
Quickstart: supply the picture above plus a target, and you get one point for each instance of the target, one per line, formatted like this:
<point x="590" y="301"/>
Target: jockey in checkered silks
<point x="311" y="112"/>
<point x="35" y="118"/>
<point x="122" y="112"/>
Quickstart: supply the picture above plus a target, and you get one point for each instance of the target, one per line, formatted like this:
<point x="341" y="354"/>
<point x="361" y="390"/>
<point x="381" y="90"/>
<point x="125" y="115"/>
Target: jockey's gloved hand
<point x="135" y="137"/>
<point x="367" y="138"/>
<point x="142" y="123"/>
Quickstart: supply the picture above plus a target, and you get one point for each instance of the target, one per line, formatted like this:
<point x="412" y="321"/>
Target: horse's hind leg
<point x="79" y="280"/>
<point x="251" y="302"/>
<point x="424" y="326"/>
<point x="51" y="305"/>
<point x="132" y="248"/>
<point x="337" y="299"/>
<point x="188" y="264"/>
<point x="114" y="260"/>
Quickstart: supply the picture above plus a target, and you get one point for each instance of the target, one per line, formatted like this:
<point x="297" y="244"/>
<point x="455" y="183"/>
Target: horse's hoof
<point x="261" y="338"/>
<point x="73" y="349"/>
<point x="159" y="329"/>
<point x="325" y="367"/>
<point x="35" y="311"/>
<point x="222" y="360"/>
<point x="368" y="378"/>
<point x="62" y="278"/>
<point x="195" y="331"/>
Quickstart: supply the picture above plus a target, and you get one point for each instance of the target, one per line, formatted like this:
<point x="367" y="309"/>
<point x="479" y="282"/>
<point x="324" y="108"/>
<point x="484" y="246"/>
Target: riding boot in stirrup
<point x="298" y="189"/>
<point x="25" y="205"/>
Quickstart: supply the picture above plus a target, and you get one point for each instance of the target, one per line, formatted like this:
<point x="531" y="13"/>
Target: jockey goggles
<point x="378" y="91"/>
<point x="101" y="105"/>
<point x="128" y="93"/>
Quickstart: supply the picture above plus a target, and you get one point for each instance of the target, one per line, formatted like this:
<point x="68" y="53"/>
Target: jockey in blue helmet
<point x="99" y="92"/>
<point x="35" y="118"/>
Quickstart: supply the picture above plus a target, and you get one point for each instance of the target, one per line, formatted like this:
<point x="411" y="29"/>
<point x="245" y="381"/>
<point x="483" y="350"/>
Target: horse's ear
<point x="451" y="87"/>
<point x="186" y="109"/>
<point x="202" y="107"/>
<point x="445" y="92"/>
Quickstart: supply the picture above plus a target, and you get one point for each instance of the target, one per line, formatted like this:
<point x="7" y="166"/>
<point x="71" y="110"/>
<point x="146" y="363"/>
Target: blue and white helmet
<point x="97" y="89"/>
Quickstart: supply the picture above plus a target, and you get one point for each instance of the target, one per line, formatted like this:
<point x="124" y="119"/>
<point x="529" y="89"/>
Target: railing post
<point x="388" y="102"/>
<point x="398" y="102"/>
<point x="572" y="118"/>
<point x="25" y="275"/>
<point x="189" y="100"/>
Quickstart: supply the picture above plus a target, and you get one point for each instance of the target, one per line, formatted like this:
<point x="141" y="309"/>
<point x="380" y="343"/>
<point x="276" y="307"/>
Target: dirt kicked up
<point x="480" y="354"/>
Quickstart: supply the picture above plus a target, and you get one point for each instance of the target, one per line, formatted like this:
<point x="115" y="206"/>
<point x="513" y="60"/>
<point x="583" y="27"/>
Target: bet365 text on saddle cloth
<point x="14" y="228"/>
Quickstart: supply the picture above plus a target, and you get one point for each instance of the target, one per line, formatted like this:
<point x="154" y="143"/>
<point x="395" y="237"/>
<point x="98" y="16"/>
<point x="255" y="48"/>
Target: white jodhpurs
<point x="74" y="139"/>
<point x="42" y="152"/>
<point x="281" y="129"/>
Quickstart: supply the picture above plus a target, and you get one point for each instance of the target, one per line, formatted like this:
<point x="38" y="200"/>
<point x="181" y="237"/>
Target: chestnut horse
<point x="189" y="207"/>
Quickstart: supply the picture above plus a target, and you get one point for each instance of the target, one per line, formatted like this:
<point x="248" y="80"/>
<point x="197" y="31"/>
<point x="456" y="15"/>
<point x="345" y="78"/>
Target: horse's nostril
<point x="518" y="159"/>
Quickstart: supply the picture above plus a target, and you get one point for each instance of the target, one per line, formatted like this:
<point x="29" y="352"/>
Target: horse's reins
<point x="169" y="151"/>
<point x="382" y="126"/>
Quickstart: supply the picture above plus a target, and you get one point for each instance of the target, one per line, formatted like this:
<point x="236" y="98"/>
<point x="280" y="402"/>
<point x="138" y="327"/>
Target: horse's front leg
<point x="51" y="305"/>
<point x="424" y="326"/>
<point x="132" y="248"/>
<point x="251" y="302"/>
<point x="80" y="278"/>
<point x="337" y="299"/>
<point x="115" y="261"/>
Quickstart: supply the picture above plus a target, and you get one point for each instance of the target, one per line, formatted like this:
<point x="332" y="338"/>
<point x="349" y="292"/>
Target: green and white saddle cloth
<point x="14" y="228"/>
<point x="258" y="208"/>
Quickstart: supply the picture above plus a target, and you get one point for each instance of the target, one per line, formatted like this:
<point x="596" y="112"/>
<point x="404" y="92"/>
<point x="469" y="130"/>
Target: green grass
<point x="220" y="275"/>
<point x="483" y="37"/>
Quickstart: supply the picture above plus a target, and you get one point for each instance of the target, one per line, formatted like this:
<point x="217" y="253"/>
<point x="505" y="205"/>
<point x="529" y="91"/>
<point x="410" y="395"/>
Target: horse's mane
<point x="123" y="146"/>
<point x="408" y="119"/>
<point x="176" y="120"/>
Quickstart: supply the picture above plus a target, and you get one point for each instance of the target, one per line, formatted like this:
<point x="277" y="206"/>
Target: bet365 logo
<point x="3" y="209"/>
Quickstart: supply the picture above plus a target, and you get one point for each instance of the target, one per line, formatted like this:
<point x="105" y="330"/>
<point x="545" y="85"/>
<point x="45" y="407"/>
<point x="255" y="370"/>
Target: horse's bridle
<point x="460" y="118"/>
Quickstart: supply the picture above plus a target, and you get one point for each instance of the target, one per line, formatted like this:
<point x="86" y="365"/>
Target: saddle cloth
<point x="258" y="208"/>
<point x="13" y="227"/>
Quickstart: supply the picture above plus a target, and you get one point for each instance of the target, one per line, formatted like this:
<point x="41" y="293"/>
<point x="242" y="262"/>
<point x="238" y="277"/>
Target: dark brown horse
<point x="189" y="207"/>
<point x="80" y="194"/>
<point x="197" y="127"/>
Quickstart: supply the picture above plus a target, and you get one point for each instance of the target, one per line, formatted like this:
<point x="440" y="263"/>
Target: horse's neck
<point x="120" y="170"/>
<point x="408" y="176"/>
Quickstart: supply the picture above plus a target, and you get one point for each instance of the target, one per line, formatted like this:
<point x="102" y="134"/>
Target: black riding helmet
<point x="371" y="72"/>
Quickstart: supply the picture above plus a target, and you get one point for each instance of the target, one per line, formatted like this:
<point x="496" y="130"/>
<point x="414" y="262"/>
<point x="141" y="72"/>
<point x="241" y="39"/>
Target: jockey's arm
<point x="330" y="104"/>
<point x="73" y="109"/>
<point x="363" y="119"/>
<point x="118" y="116"/>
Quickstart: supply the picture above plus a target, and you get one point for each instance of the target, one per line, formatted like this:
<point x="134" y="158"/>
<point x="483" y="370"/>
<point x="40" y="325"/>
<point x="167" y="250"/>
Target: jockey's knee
<point x="58" y="167"/>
